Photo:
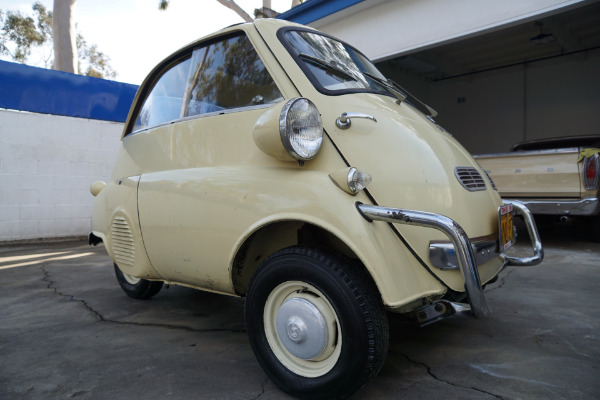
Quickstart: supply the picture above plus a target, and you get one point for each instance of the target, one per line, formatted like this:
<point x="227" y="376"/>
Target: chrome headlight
<point x="301" y="128"/>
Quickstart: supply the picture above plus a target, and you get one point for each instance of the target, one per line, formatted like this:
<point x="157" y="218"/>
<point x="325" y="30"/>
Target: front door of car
<point x="381" y="130"/>
<point x="192" y="190"/>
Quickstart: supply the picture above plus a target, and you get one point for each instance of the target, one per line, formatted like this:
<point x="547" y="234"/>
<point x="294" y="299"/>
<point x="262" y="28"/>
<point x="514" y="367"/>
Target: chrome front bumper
<point x="443" y="255"/>
<point x="464" y="250"/>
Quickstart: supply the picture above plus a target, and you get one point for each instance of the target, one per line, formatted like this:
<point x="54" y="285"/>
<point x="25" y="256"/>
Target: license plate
<point x="505" y="219"/>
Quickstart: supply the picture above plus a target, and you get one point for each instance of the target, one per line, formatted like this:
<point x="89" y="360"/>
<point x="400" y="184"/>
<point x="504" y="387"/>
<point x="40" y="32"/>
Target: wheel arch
<point x="278" y="235"/>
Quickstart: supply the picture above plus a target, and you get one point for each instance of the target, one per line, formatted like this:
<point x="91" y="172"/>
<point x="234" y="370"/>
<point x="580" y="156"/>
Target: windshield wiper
<point x="415" y="101"/>
<point x="403" y="94"/>
<point x="327" y="66"/>
<point x="400" y="95"/>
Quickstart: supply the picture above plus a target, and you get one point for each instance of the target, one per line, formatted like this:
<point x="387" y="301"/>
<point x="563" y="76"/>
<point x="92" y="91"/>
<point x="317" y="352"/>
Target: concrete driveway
<point x="68" y="331"/>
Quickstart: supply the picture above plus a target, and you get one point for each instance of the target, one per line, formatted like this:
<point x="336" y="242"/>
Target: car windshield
<point x="333" y="65"/>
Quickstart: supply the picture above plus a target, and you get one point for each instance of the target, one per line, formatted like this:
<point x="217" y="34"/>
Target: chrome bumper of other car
<point x="584" y="207"/>
<point x="465" y="254"/>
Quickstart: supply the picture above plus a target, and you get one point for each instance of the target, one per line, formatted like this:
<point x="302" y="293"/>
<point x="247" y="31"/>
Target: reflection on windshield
<point x="335" y="65"/>
<point x="228" y="74"/>
<point x="221" y="75"/>
<point x="338" y="67"/>
<point x="330" y="66"/>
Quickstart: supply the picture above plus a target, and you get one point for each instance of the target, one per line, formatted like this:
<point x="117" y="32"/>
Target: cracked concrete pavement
<point x="68" y="331"/>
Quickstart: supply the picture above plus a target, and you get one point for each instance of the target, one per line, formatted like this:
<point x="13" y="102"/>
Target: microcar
<point x="274" y="162"/>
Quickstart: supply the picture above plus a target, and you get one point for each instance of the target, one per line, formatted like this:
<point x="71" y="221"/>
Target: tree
<point x="266" y="10"/>
<point x="239" y="11"/>
<point x="91" y="61"/>
<point x="63" y="35"/>
<point x="20" y="34"/>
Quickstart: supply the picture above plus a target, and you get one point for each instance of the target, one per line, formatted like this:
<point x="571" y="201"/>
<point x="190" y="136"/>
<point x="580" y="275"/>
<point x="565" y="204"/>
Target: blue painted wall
<point x="313" y="10"/>
<point x="45" y="91"/>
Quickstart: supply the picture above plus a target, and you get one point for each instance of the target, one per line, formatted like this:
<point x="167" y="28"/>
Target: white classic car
<point x="274" y="162"/>
<point x="557" y="177"/>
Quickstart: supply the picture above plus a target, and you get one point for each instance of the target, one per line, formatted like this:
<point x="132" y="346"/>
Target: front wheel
<point x="137" y="288"/>
<point x="316" y="323"/>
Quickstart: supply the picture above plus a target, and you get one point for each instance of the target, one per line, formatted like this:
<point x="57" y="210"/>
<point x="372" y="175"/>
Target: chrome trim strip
<point x="224" y="111"/>
<point x="462" y="244"/>
<point x="527" y="152"/>
<point x="534" y="236"/>
<point x="584" y="207"/>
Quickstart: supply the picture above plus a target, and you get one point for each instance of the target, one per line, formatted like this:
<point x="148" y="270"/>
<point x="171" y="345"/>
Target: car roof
<point x="558" y="143"/>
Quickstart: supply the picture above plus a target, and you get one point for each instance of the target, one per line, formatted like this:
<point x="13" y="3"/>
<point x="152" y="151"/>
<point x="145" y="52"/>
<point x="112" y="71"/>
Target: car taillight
<point x="591" y="170"/>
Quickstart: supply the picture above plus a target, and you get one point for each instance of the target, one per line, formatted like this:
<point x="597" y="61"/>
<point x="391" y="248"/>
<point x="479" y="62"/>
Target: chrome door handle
<point x="344" y="122"/>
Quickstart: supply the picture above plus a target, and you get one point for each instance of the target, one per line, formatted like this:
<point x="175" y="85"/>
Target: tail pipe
<point x="461" y="242"/>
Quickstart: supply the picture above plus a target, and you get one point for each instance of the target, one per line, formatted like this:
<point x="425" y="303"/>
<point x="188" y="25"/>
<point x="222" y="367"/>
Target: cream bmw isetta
<point x="274" y="162"/>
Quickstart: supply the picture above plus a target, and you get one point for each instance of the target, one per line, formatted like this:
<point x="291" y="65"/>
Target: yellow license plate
<point x="505" y="219"/>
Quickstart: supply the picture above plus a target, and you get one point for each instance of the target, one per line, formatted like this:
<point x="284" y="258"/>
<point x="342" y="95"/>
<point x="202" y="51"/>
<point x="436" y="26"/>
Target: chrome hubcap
<point x="302" y="328"/>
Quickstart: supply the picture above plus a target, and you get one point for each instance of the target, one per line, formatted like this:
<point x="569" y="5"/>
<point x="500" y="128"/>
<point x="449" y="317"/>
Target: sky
<point x="136" y="36"/>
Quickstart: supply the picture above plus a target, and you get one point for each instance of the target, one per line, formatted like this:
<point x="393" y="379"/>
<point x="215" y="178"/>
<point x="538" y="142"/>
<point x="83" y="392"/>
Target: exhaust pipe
<point x="440" y="309"/>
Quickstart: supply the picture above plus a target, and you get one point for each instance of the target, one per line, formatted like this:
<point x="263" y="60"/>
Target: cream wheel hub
<point x="132" y="280"/>
<point x="302" y="329"/>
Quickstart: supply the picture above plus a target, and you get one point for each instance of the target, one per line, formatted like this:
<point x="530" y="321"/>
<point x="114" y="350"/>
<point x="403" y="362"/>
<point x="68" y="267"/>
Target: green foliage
<point x="95" y="62"/>
<point x="163" y="4"/>
<point x="20" y="33"/>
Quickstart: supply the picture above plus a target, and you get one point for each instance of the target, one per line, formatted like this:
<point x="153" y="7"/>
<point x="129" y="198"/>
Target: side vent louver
<point x="122" y="242"/>
<point x="470" y="178"/>
<point x="487" y="173"/>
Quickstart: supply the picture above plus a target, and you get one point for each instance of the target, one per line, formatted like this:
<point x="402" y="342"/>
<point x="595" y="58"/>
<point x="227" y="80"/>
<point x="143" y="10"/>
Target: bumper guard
<point x="464" y="252"/>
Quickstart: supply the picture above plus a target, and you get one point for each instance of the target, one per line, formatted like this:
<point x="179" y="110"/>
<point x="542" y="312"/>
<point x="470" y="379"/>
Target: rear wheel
<point x="316" y="323"/>
<point x="137" y="288"/>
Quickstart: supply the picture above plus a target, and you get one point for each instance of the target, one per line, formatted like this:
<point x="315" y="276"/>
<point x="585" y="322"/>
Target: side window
<point x="219" y="76"/>
<point x="164" y="102"/>
<point x="228" y="74"/>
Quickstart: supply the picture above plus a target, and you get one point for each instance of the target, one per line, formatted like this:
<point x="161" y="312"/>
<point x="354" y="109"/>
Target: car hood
<point x="412" y="161"/>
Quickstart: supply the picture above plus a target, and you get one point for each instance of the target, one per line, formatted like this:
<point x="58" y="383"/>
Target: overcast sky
<point x="137" y="36"/>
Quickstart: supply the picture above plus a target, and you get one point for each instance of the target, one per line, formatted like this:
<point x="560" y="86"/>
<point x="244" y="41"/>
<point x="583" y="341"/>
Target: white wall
<point x="47" y="164"/>
<point x="409" y="25"/>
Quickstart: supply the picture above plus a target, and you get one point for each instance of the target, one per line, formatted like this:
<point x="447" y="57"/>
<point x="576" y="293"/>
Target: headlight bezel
<point x="292" y="141"/>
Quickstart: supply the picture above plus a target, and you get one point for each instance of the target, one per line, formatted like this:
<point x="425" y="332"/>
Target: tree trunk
<point x="233" y="6"/>
<point x="63" y="36"/>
